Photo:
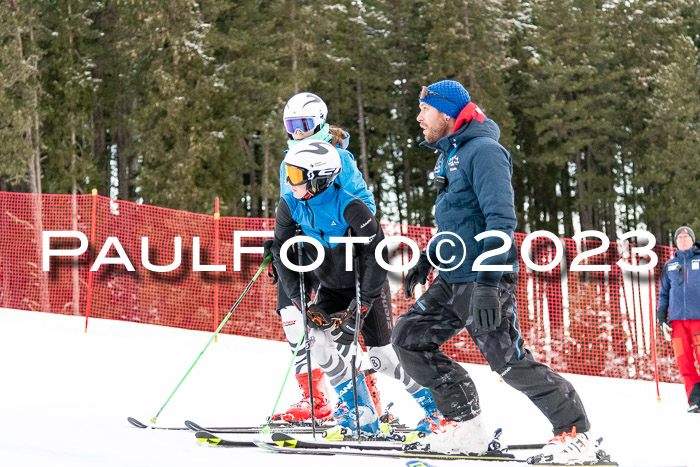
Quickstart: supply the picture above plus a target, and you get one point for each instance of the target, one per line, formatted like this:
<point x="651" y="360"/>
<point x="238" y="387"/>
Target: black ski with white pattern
<point x="285" y="440"/>
<point x="397" y="454"/>
<point x="296" y="428"/>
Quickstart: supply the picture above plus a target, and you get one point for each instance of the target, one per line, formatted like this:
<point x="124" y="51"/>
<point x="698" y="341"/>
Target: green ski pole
<point x="233" y="308"/>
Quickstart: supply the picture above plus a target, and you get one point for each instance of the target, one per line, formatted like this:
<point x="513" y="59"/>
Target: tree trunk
<point x="33" y="140"/>
<point x="566" y="204"/>
<point x="265" y="179"/>
<point x="249" y="148"/>
<point x="467" y="32"/>
<point x="122" y="140"/>
<point x="582" y="190"/>
<point x="75" y="269"/>
<point x="293" y="50"/>
<point x="361" y="130"/>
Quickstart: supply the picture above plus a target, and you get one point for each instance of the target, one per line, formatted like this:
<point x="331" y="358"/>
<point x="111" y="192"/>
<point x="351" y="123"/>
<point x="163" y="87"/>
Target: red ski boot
<point x="302" y="410"/>
<point x="371" y="380"/>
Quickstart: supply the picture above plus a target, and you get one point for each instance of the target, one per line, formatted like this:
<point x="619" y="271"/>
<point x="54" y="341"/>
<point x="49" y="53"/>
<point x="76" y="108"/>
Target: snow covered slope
<point x="65" y="395"/>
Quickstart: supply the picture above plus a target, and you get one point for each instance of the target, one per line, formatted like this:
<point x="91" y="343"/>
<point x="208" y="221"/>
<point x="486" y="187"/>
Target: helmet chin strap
<point x="308" y="194"/>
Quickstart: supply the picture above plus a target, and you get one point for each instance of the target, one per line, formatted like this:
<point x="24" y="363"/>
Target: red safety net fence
<point x="592" y="322"/>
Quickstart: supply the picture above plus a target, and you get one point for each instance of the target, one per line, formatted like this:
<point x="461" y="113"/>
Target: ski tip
<point x="284" y="440"/>
<point x="263" y="445"/>
<point x="206" y="437"/>
<point x="136" y="423"/>
<point x="193" y="426"/>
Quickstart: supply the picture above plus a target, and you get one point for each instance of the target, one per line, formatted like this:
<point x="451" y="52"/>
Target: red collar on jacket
<point x="471" y="111"/>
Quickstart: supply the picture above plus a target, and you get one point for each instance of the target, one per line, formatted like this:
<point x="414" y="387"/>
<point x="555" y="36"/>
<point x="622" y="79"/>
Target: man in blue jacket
<point x="678" y="312"/>
<point x="473" y="178"/>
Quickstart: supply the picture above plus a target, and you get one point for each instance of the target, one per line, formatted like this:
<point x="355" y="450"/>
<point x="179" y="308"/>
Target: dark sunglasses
<point x="425" y="91"/>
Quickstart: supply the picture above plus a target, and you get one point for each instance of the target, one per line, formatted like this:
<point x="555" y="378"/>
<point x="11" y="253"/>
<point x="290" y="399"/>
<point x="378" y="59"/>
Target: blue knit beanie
<point x="454" y="97"/>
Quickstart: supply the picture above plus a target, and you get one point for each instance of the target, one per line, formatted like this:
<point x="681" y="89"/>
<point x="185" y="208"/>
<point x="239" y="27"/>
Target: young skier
<point x="304" y="119"/>
<point x="325" y="211"/>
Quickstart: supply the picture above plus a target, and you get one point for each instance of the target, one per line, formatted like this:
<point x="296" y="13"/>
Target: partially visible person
<point x="678" y="312"/>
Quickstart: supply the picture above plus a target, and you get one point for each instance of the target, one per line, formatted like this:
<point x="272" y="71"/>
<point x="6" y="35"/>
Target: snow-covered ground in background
<point x="65" y="396"/>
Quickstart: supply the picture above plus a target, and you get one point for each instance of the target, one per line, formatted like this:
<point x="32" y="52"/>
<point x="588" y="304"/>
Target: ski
<point x="495" y="444"/>
<point x="212" y="440"/>
<point x="290" y="427"/>
<point x="287" y="427"/>
<point x="489" y="456"/>
<point x="285" y="440"/>
<point x="419" y="457"/>
<point x="420" y="463"/>
<point x="282" y="439"/>
<point x="139" y="424"/>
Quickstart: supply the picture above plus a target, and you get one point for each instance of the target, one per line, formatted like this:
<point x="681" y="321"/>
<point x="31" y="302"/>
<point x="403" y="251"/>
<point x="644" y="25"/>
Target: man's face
<point x="434" y="123"/>
<point x="684" y="241"/>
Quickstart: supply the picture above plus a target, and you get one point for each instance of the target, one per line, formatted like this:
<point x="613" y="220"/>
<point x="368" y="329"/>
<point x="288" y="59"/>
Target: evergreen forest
<point x="174" y="103"/>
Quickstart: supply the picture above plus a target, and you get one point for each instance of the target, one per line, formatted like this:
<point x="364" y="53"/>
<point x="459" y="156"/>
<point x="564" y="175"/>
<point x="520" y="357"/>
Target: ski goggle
<point x="301" y="123"/>
<point x="295" y="175"/>
<point x="425" y="91"/>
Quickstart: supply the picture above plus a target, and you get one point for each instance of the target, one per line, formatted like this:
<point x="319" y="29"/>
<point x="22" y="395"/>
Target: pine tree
<point x="20" y="131"/>
<point x="70" y="95"/>
<point x="671" y="160"/>
<point x="572" y="104"/>
<point x="170" y="130"/>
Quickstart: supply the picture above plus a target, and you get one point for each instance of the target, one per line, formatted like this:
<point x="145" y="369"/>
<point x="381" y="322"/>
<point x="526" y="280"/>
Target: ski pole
<point x="356" y="339"/>
<point x="235" y="305"/>
<point x="302" y="290"/>
<point x="266" y="428"/>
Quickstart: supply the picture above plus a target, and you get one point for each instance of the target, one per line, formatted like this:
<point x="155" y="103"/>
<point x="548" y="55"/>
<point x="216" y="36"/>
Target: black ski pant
<point x="311" y="282"/>
<point x="440" y="314"/>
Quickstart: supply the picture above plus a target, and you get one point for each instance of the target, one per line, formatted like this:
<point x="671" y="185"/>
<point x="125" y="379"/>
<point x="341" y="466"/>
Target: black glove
<point x="486" y="308"/>
<point x="317" y="318"/>
<point x="664" y="323"/>
<point x="267" y="246"/>
<point x="344" y="333"/>
<point x="418" y="274"/>
<point x="345" y="322"/>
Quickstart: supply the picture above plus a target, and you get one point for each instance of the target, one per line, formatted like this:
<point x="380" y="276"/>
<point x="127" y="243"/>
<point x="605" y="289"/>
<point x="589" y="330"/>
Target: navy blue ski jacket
<point x="679" y="291"/>
<point x="478" y="197"/>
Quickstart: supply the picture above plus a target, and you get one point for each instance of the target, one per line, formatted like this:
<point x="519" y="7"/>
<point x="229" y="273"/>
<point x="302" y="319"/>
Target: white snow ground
<point x="65" y="396"/>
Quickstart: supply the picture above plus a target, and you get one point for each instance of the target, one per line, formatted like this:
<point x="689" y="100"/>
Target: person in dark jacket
<point x="327" y="213"/>
<point x="473" y="179"/>
<point x="678" y="312"/>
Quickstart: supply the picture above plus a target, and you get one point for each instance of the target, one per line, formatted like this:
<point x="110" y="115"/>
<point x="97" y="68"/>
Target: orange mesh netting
<point x="592" y="323"/>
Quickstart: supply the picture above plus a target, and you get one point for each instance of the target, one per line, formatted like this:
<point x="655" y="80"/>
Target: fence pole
<point x="92" y="242"/>
<point x="216" y="261"/>
<point x="652" y="327"/>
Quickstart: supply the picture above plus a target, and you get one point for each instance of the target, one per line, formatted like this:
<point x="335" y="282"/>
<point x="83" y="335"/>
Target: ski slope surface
<point x="65" y="395"/>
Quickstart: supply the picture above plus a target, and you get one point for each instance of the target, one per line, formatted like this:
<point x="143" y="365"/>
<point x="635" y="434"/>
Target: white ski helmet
<point x="304" y="111"/>
<point x="314" y="162"/>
